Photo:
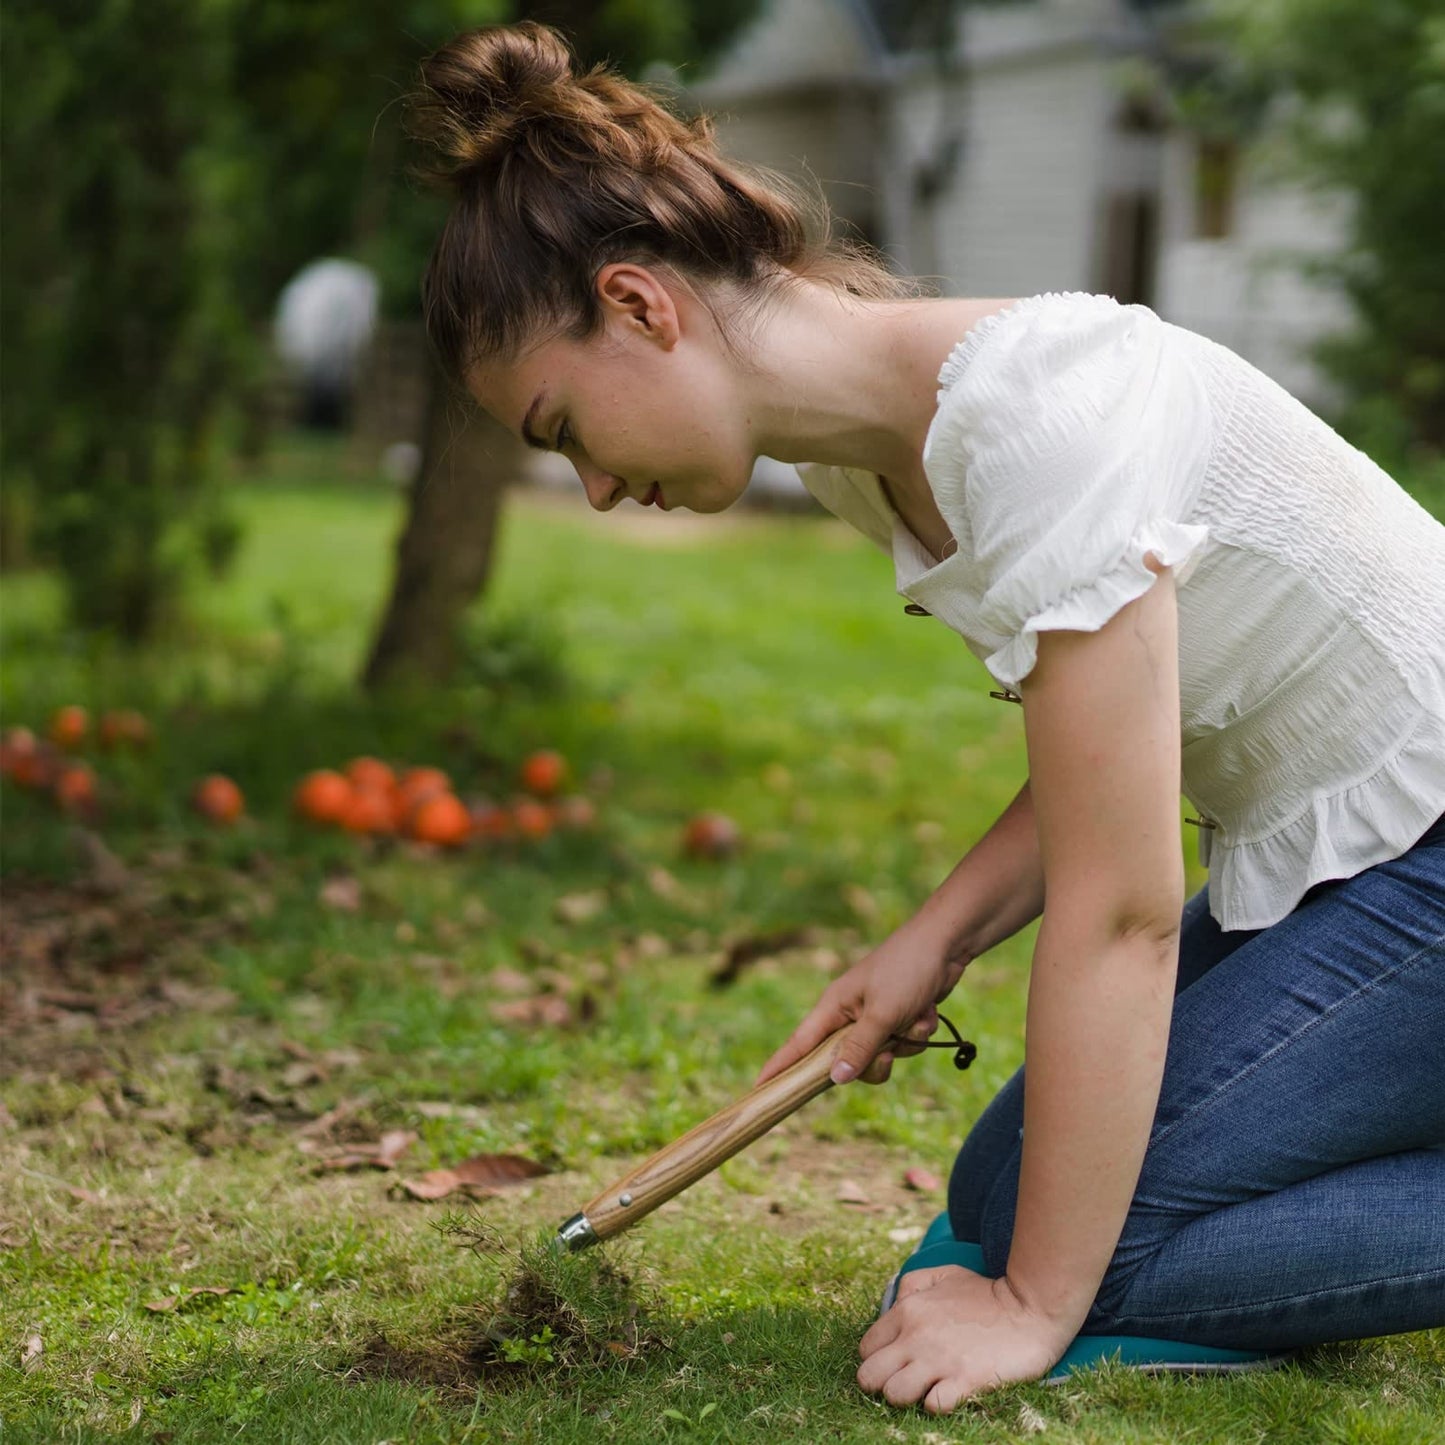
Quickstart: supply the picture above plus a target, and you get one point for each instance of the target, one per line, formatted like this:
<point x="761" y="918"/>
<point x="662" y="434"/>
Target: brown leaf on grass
<point x="755" y="946"/>
<point x="481" y="1177"/>
<point x="70" y="998"/>
<point x="85" y="1196"/>
<point x="108" y="875"/>
<point x="448" y="1109"/>
<point x="342" y="893"/>
<point x="921" y="1180"/>
<point x="384" y="1154"/>
<point x="851" y="1192"/>
<point x="180" y="1301"/>
<point x="542" y="1010"/>
<point x="510" y="980"/>
<point x="579" y="907"/>
<point x="249" y="1095"/>
<point x="300" y="1072"/>
<point x="32" y="1354"/>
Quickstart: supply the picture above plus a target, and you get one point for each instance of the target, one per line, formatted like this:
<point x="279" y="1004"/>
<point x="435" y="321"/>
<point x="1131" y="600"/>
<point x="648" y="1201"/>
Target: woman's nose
<point x="604" y="491"/>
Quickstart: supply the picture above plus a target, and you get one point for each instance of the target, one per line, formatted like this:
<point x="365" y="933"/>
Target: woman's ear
<point x="636" y="298"/>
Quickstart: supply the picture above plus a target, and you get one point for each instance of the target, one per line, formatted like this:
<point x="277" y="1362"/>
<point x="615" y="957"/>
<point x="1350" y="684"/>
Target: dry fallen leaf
<point x="921" y="1180"/>
<point x="298" y="1074"/>
<point x="384" y="1154"/>
<point x="481" y="1177"/>
<point x="544" y="1009"/>
<point x="510" y="980"/>
<point x="850" y="1192"/>
<point x="180" y="1301"/>
<point x="32" y="1354"/>
<point x="446" y="1109"/>
<point x="343" y="893"/>
<point x="579" y="907"/>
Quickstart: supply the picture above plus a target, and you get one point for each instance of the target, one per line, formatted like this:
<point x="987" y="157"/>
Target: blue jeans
<point x="1293" y="1190"/>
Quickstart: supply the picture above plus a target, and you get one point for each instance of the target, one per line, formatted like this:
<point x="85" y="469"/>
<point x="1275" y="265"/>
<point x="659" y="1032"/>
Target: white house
<point x="1032" y="150"/>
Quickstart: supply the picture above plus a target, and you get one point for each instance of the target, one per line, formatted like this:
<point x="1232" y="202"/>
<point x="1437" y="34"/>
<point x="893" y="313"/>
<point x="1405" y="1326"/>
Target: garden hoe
<point x="716" y="1140"/>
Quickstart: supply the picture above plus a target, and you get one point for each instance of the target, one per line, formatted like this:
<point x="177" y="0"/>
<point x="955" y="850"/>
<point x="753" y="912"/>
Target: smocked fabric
<point x="1073" y="437"/>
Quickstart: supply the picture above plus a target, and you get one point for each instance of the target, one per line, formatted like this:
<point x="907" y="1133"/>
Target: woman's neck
<point x="853" y="383"/>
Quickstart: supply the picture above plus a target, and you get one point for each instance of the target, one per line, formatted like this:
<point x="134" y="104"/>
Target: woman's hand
<point x="888" y="997"/>
<point x="952" y="1333"/>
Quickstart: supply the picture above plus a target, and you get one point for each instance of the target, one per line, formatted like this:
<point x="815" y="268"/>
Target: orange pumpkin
<point x="369" y="810"/>
<point x="371" y="773"/>
<point x="440" y="818"/>
<point x="74" y="788"/>
<point x="36" y="768"/>
<point x="710" y="835"/>
<point x="575" y="812"/>
<point x="321" y="796"/>
<point x="489" y="821"/>
<point x="69" y="726"/>
<point x="531" y="818"/>
<point x="216" y="797"/>
<point x="418" y="783"/>
<point x="543" y="772"/>
<point x="123" y="728"/>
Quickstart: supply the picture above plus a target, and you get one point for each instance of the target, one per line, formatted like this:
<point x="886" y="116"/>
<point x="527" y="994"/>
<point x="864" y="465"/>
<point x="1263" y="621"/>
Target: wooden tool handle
<point x="715" y="1140"/>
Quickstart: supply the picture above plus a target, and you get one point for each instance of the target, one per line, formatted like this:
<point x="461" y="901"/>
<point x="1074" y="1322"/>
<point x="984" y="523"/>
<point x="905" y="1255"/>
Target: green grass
<point x="758" y="667"/>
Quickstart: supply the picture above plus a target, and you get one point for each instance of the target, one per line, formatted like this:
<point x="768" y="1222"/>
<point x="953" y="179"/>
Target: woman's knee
<point x="991" y="1146"/>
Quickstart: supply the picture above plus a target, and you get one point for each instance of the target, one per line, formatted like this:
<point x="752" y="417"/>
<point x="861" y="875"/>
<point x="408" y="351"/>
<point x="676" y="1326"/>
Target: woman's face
<point x="647" y="409"/>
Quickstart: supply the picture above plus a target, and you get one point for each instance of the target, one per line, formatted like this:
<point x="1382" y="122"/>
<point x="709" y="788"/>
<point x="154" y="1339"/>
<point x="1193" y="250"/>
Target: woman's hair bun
<point x="478" y="87"/>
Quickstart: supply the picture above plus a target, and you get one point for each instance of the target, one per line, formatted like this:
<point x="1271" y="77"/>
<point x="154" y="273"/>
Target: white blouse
<point x="1074" y="435"/>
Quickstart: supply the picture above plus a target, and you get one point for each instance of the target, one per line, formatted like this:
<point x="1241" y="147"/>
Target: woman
<point x="1231" y="1129"/>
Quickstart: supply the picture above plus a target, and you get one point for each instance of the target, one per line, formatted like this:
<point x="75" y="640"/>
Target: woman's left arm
<point x="1102" y="718"/>
<point x="1101" y="715"/>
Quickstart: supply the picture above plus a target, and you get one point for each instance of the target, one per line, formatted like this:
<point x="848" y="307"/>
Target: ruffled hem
<point x="1254" y="885"/>
<point x="1088" y="608"/>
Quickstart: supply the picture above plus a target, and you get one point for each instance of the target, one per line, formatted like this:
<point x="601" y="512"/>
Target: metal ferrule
<point x="577" y="1233"/>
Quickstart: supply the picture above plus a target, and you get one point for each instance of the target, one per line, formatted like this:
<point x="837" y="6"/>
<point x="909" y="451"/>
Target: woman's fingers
<point x="877" y="1072"/>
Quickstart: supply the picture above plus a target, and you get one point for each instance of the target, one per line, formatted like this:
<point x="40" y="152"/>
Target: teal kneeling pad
<point x="939" y="1247"/>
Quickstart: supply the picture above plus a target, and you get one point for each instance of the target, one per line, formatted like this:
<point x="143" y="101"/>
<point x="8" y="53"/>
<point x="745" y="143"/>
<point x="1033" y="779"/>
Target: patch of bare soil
<point x="555" y="1312"/>
<point x="103" y="954"/>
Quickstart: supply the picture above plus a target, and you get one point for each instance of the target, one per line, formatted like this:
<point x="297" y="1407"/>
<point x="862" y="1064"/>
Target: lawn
<point x="196" y="1019"/>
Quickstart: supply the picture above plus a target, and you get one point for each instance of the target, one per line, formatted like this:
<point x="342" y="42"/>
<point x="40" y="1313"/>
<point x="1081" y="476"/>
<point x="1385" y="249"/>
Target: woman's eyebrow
<point x="538" y="443"/>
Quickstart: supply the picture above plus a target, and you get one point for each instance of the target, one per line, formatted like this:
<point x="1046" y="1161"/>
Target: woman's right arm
<point x="996" y="889"/>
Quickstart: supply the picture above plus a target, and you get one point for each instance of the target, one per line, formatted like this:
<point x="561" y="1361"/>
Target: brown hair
<point x="557" y="174"/>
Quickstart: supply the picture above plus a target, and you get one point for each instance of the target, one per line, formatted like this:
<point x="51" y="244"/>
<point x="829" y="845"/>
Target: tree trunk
<point x="445" y="552"/>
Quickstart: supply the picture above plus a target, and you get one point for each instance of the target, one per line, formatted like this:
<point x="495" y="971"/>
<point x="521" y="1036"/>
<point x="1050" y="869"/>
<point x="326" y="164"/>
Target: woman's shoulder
<point x="1056" y="378"/>
<point x="1048" y="337"/>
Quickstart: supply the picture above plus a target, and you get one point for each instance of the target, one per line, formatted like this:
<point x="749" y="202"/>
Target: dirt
<point x="83" y="961"/>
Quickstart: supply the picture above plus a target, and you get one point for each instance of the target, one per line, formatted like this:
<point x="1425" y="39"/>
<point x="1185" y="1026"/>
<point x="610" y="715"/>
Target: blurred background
<point x="212" y="251"/>
<point x="362" y="791"/>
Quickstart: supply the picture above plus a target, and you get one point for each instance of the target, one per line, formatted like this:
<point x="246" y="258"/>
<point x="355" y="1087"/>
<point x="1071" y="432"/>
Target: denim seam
<point x="1419" y="1276"/>
<point x="1298" y="1034"/>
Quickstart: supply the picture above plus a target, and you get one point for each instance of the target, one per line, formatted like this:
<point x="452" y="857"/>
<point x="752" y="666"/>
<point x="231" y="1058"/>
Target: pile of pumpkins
<point x="370" y="796"/>
<point x="366" y="797"/>
<point x="49" y="765"/>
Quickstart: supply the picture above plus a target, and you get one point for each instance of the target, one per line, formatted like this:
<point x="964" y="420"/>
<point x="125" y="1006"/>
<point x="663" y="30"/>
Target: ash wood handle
<point x="712" y="1142"/>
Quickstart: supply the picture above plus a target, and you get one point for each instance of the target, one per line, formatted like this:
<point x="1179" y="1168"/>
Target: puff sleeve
<point x="1071" y="440"/>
